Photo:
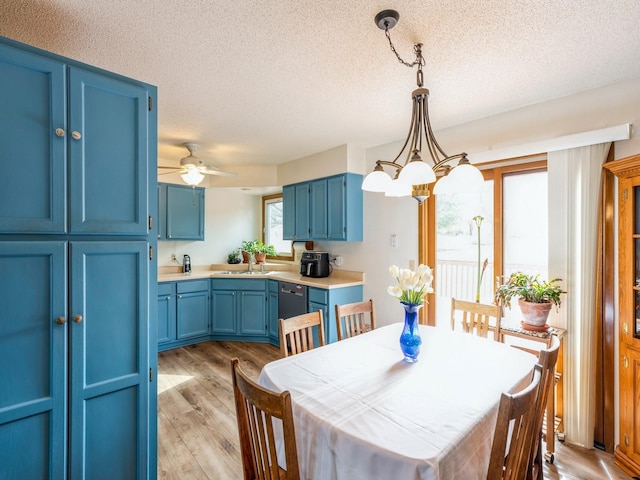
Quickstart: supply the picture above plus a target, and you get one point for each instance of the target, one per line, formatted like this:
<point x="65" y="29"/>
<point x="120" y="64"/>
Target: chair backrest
<point x="256" y="407"/>
<point x="477" y="318"/>
<point x="296" y="333"/>
<point x="547" y="359"/>
<point x="519" y="410"/>
<point x="355" y="318"/>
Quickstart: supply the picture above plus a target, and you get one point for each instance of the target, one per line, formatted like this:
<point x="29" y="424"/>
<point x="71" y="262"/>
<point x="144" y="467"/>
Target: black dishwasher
<point x="292" y="299"/>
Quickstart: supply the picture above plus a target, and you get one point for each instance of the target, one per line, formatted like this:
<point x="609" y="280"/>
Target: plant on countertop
<point x="261" y="247"/>
<point x="248" y="246"/>
<point x="235" y="257"/>
<point x="529" y="288"/>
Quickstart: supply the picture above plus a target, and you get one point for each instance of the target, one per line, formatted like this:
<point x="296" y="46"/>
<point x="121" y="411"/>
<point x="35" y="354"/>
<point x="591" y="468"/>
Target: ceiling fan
<point x="192" y="169"/>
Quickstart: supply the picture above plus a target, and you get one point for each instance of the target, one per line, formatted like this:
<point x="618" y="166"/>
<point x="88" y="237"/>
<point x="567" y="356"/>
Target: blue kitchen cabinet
<point x="324" y="209"/>
<point x="58" y="116"/>
<point x="183" y="313"/>
<point x="318" y="209"/>
<point x="239" y="309"/>
<point x="326" y="300"/>
<point x="192" y="307"/>
<point x="77" y="327"/>
<point x="181" y="212"/>
<point x="272" y="312"/>
<point x="166" y="312"/>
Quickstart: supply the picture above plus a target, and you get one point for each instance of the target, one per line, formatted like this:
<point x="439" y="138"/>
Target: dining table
<point x="362" y="413"/>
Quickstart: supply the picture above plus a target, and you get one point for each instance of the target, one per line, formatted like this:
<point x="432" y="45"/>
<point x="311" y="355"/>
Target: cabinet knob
<point x="60" y="320"/>
<point x="77" y="318"/>
<point x="179" y="296"/>
<point x="168" y="298"/>
<point x="60" y="132"/>
<point x="76" y="135"/>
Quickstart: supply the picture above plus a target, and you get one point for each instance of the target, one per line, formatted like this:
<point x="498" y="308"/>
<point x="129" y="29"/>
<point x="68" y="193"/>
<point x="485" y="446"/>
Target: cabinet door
<point x="109" y="359"/>
<point x="336" y="208"/>
<point x="318" y="209"/>
<point x="166" y="313"/>
<point x="32" y="107"/>
<point x="33" y="360"/>
<point x="288" y="212"/>
<point x="192" y="314"/>
<point x="185" y="213"/>
<point x="223" y="312"/>
<point x="273" y="315"/>
<point x="252" y="313"/>
<point x="108" y="155"/>
<point x="302" y="212"/>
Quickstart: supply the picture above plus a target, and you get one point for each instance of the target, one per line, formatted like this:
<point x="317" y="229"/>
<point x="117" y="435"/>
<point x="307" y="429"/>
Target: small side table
<point x="554" y="408"/>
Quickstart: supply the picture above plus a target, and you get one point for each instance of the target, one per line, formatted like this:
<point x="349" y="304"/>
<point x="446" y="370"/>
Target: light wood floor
<point x="197" y="433"/>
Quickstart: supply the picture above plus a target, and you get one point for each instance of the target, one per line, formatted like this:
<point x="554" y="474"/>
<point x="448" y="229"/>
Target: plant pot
<point x="260" y="257"/>
<point x="246" y="256"/>
<point x="535" y="315"/>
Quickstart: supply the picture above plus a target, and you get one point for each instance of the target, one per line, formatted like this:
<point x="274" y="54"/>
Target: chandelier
<point x="412" y="178"/>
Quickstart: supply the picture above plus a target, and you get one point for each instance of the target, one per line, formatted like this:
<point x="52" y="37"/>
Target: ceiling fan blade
<point x="211" y="170"/>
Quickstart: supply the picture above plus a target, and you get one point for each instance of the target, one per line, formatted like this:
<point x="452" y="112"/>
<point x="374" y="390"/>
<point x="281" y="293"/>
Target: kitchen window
<point x="272" y="227"/>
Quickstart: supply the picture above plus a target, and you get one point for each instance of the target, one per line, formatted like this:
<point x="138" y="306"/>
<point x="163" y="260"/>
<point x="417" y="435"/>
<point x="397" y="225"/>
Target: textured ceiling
<point x="264" y="82"/>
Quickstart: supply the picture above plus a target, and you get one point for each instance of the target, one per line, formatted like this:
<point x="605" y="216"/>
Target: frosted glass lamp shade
<point x="465" y="177"/>
<point x="417" y="172"/>
<point x="398" y="188"/>
<point x="376" y="181"/>
<point x="193" y="177"/>
<point x="442" y="185"/>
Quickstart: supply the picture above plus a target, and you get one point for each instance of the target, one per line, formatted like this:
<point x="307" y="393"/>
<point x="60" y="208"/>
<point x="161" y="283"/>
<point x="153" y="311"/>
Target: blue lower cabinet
<point x="326" y="300"/>
<point x="272" y="312"/>
<point x="239" y="309"/>
<point x="183" y="313"/>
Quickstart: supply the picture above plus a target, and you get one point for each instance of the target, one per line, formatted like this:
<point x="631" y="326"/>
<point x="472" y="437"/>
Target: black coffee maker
<point x="186" y="264"/>
<point x="315" y="264"/>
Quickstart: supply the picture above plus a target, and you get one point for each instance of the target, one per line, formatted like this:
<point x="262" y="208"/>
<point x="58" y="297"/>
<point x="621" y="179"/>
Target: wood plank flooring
<point x="197" y="433"/>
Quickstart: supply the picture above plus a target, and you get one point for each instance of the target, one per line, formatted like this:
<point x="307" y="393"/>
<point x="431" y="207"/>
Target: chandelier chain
<point x="416" y="48"/>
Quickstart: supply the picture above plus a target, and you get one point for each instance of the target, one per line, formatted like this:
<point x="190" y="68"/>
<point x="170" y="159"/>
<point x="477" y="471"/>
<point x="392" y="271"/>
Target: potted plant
<point x="535" y="297"/>
<point x="261" y="250"/>
<point x="235" y="257"/>
<point x="248" y="248"/>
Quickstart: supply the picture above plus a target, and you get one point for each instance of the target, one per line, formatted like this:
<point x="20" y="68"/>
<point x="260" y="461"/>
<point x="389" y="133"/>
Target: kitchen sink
<point x="240" y="272"/>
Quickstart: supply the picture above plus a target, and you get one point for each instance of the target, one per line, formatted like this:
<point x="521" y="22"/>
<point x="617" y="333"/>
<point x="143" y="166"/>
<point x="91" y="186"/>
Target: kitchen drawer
<point x="318" y="295"/>
<point x="193" y="286"/>
<point x="165" y="288"/>
<point x="238" y="284"/>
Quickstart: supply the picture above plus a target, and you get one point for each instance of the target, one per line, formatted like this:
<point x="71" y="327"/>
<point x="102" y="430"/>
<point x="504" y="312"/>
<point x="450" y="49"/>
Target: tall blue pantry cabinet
<point x="78" y="195"/>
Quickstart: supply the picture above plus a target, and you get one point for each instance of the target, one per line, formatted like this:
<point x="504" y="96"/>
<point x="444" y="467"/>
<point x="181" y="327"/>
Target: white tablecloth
<point x="362" y="413"/>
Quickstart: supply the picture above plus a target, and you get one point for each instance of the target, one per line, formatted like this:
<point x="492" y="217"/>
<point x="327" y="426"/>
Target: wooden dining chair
<point x="355" y="318"/>
<point x="256" y="407"/>
<point x="477" y="318"/>
<point x="519" y="410"/>
<point x="547" y="359"/>
<point x="297" y="333"/>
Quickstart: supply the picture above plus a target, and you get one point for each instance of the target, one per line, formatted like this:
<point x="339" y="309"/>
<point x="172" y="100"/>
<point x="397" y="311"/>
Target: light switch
<point x="393" y="240"/>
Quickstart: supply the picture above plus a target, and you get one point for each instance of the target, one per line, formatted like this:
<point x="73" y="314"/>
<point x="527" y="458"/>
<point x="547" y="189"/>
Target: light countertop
<point x="272" y="271"/>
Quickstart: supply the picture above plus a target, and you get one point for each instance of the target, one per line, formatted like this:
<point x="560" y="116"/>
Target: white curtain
<point x="574" y="191"/>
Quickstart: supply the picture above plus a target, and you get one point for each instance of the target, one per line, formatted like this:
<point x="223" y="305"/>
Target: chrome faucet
<point x="250" y="265"/>
<point x="262" y="268"/>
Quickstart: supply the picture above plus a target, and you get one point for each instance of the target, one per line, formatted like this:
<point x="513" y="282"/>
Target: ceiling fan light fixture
<point x="192" y="177"/>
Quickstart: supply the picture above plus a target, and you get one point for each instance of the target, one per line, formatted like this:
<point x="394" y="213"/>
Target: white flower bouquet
<point x="412" y="287"/>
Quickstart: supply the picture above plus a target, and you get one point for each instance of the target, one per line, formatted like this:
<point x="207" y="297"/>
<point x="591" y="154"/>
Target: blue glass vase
<point x="410" y="339"/>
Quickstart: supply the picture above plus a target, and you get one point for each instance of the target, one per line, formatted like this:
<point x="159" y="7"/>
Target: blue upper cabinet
<point x="71" y="133"/>
<point x="108" y="174"/>
<point x="181" y="211"/>
<point x="324" y="209"/>
<point x="32" y="109"/>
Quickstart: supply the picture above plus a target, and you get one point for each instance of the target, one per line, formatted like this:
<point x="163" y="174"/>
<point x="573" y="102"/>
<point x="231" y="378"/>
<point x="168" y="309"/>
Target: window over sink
<point x="272" y="227"/>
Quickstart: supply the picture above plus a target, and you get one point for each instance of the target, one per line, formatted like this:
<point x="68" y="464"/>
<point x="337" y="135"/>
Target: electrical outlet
<point x="412" y="264"/>
<point x="338" y="261"/>
<point x="173" y="257"/>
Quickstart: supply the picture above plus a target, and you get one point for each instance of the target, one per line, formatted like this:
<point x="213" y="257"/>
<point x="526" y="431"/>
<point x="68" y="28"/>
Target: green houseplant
<point x="535" y="297"/>
<point x="258" y="249"/>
